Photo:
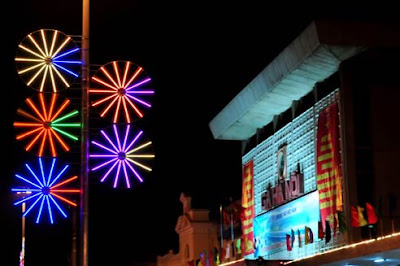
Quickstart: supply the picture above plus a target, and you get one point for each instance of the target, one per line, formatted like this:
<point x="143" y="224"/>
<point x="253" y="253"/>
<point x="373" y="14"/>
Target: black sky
<point x="199" y="55"/>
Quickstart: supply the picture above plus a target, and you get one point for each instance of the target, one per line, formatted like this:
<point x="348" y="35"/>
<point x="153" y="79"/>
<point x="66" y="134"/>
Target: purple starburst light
<point x="122" y="155"/>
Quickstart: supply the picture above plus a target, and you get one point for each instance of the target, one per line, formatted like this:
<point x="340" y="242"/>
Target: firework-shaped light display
<point x="45" y="188"/>
<point x="121" y="154"/>
<point x="122" y="91"/>
<point x="44" y="123"/>
<point x="48" y="60"/>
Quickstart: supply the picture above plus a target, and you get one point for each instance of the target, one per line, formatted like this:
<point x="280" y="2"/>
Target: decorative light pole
<point x="47" y="61"/>
<point x="84" y="199"/>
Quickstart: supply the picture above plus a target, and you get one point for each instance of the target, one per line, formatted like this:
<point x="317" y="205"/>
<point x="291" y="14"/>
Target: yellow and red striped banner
<point x="248" y="205"/>
<point x="328" y="164"/>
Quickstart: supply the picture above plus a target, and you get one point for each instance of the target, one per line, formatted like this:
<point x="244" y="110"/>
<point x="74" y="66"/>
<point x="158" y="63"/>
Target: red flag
<point x="237" y="211"/>
<point x="357" y="217"/>
<point x="223" y="254"/>
<point x="371" y="215"/>
<point x="288" y="240"/>
<point x="226" y="218"/>
<point x="203" y="258"/>
<point x="320" y="230"/>
<point x="210" y="257"/>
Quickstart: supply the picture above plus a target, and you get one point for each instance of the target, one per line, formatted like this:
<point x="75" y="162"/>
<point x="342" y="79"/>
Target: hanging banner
<point x="328" y="164"/>
<point x="248" y="206"/>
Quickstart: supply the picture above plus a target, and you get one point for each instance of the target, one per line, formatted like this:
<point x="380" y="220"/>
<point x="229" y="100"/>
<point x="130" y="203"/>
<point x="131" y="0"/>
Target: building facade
<point x="320" y="143"/>
<point x="197" y="237"/>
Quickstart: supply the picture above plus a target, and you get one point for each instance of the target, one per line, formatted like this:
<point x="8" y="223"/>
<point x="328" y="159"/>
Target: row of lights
<point x="379" y="260"/>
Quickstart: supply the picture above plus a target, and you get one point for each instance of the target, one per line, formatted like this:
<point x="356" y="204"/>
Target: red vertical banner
<point x="248" y="207"/>
<point x="328" y="164"/>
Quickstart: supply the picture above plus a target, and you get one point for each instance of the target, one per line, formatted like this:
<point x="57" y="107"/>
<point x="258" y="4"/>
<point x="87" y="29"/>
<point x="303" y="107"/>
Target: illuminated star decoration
<point x="48" y="60"/>
<point x="45" y="189"/>
<point x="125" y="89"/>
<point x="46" y="123"/>
<point x="122" y="155"/>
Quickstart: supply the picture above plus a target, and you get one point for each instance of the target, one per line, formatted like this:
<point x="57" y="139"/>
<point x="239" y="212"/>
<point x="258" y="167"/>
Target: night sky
<point x="199" y="55"/>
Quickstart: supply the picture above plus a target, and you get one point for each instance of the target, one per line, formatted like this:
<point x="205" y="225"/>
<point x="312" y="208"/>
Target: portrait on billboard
<point x="282" y="164"/>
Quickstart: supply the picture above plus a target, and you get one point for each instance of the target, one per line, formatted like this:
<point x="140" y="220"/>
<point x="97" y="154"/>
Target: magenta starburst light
<point x="122" y="155"/>
<point x="43" y="189"/>
<point x="122" y="91"/>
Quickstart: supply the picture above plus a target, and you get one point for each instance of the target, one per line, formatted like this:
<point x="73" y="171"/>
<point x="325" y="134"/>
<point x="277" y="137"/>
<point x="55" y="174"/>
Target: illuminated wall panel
<point x="265" y="162"/>
<point x="299" y="135"/>
<point x="302" y="148"/>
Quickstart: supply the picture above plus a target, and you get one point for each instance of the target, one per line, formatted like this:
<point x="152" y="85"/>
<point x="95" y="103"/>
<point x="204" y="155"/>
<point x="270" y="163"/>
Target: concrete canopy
<point x="312" y="57"/>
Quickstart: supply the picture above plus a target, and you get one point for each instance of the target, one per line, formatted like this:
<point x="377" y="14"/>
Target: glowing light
<point x="122" y="89"/>
<point x="45" y="187"/>
<point x="48" y="60"/>
<point x="46" y="123"/>
<point x="365" y="242"/>
<point x="232" y="262"/>
<point x="121" y="156"/>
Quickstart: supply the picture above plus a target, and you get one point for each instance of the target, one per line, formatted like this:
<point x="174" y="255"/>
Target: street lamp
<point x="22" y="253"/>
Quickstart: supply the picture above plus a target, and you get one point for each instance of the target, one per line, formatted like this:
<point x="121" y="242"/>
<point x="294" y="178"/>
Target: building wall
<point x="196" y="232"/>
<point x="386" y="154"/>
<point x="299" y="135"/>
<point x="371" y="90"/>
<point x="169" y="259"/>
<point x="368" y="92"/>
<point x="196" y="239"/>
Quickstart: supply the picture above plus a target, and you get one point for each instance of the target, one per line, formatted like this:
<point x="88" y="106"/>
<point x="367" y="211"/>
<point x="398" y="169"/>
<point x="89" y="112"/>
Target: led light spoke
<point x="122" y="153"/>
<point x="47" y="124"/>
<point x="48" y="60"/>
<point x="46" y="190"/>
<point x="121" y="91"/>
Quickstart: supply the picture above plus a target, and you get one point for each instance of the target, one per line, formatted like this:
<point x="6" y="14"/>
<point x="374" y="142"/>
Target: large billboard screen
<point x="272" y="227"/>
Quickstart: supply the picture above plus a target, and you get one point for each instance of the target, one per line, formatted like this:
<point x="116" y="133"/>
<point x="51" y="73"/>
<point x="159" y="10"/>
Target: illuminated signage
<point x="284" y="191"/>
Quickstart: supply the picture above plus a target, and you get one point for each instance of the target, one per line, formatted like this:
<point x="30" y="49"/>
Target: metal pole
<point x="222" y="228"/>
<point x="22" y="255"/>
<point x="74" y="257"/>
<point x="233" y="238"/>
<point x="84" y="199"/>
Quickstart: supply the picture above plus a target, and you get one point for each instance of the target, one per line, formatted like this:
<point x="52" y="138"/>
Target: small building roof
<point x="312" y="57"/>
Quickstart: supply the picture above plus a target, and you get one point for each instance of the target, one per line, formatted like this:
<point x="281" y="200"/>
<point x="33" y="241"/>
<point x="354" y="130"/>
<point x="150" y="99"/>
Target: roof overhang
<point x="312" y="57"/>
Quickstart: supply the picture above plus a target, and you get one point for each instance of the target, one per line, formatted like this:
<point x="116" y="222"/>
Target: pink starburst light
<point x="122" y="91"/>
